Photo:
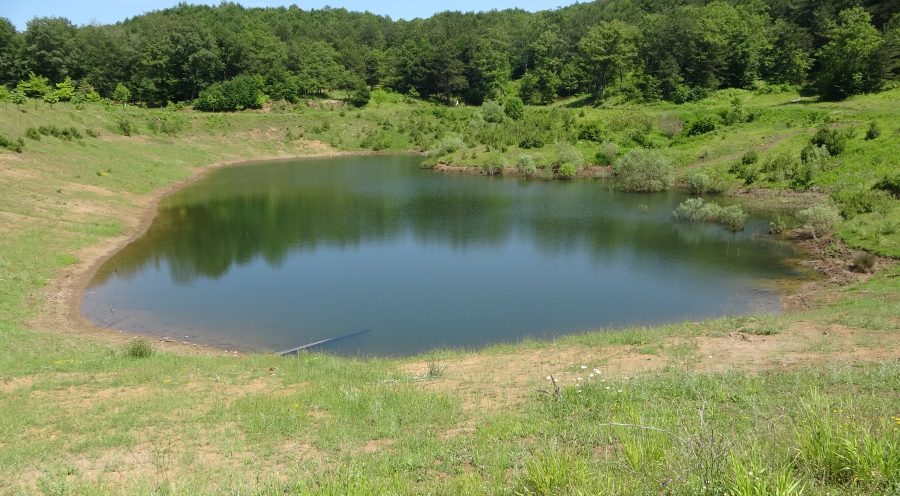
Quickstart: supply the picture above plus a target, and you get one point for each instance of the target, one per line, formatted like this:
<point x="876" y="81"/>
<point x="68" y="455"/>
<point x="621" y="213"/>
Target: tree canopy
<point x="644" y="49"/>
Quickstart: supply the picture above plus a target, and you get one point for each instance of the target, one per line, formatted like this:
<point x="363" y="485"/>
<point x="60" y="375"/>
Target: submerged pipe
<point x="294" y="351"/>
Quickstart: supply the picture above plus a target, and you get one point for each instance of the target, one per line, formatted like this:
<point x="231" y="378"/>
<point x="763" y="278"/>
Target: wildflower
<point x="597" y="371"/>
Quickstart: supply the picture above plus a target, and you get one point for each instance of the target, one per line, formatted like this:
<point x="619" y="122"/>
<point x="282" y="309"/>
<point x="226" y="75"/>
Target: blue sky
<point x="111" y="11"/>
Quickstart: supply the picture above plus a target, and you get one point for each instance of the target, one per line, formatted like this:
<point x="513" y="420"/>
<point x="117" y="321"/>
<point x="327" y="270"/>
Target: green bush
<point x="591" y="131"/>
<point x="526" y="165"/>
<point x="832" y="139"/>
<point x="568" y="170"/>
<point x="703" y="125"/>
<point x="566" y="153"/>
<point x="242" y="92"/>
<point x="853" y="202"/>
<point x="780" y="166"/>
<point x="492" y="164"/>
<point x="821" y="220"/>
<point x="698" y="183"/>
<point x="492" y="112"/>
<point x="873" y="132"/>
<point x="514" y="108"/>
<point x="889" y="184"/>
<point x="732" y="217"/>
<point x="607" y="153"/>
<point x="126" y="126"/>
<point x="170" y="123"/>
<point x="16" y="145"/>
<point x="749" y="157"/>
<point x="139" y="348"/>
<point x="93" y="133"/>
<point x="642" y="170"/>
<point x="446" y="146"/>
<point x="360" y="98"/>
<point x="33" y="134"/>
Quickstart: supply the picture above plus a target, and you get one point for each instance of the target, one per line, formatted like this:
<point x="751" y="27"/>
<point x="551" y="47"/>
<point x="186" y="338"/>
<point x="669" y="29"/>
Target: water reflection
<point x="242" y="222"/>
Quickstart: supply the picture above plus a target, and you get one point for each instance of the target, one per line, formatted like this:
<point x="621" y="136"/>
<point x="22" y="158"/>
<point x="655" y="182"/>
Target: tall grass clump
<point x="754" y="478"/>
<point x="840" y="452"/>
<point x="644" y="171"/>
<point x="818" y="221"/>
<point x="139" y="348"/>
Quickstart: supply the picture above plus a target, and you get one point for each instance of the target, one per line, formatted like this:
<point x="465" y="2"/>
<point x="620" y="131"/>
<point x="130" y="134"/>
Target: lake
<point x="268" y="256"/>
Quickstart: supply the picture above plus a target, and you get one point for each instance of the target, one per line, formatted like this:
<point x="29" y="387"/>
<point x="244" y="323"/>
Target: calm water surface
<point x="279" y="254"/>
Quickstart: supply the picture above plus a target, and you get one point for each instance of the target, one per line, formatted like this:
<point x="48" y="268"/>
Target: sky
<point x="112" y="11"/>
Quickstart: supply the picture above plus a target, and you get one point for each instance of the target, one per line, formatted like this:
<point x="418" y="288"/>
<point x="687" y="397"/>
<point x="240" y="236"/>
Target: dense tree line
<point x="643" y="49"/>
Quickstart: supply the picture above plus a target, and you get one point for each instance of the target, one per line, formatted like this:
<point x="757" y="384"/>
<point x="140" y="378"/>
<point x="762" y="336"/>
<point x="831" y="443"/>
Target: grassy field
<point x="802" y="403"/>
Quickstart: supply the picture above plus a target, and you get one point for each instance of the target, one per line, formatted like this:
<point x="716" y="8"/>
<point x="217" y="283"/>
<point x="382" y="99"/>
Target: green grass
<point x="79" y="415"/>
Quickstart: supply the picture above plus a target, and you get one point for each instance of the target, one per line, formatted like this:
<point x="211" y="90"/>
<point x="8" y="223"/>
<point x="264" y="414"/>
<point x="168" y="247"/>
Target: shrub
<point x="777" y="226"/>
<point x="643" y="170"/>
<point x="139" y="348"/>
<point x="446" y="146"/>
<point x="732" y="217"/>
<point x="698" y="183"/>
<point x="670" y="125"/>
<point x="831" y="139"/>
<point x="566" y="153"/>
<point x="749" y="157"/>
<point x="240" y="93"/>
<point x="16" y="145"/>
<point x="820" y="220"/>
<point x="703" y="125"/>
<point x="492" y="112"/>
<point x="360" y="98"/>
<point x="607" y="153"/>
<point x="514" y="108"/>
<point x="591" y="131"/>
<point x="492" y="164"/>
<point x="375" y="141"/>
<point x="890" y="185"/>
<point x="780" y="167"/>
<point x="568" y="170"/>
<point x="93" y="133"/>
<point x="126" y="126"/>
<point x="169" y="123"/>
<point x="690" y="210"/>
<point x="873" y="132"/>
<point x="33" y="134"/>
<point x="526" y="165"/>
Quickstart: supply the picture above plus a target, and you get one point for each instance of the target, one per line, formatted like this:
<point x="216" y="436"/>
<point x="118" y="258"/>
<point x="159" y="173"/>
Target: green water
<point x="275" y="255"/>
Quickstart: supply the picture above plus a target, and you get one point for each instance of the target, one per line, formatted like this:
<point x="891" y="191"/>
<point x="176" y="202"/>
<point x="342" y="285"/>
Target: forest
<point x="229" y="57"/>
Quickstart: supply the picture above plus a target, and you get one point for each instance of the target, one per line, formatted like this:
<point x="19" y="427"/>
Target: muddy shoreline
<point x="65" y="291"/>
